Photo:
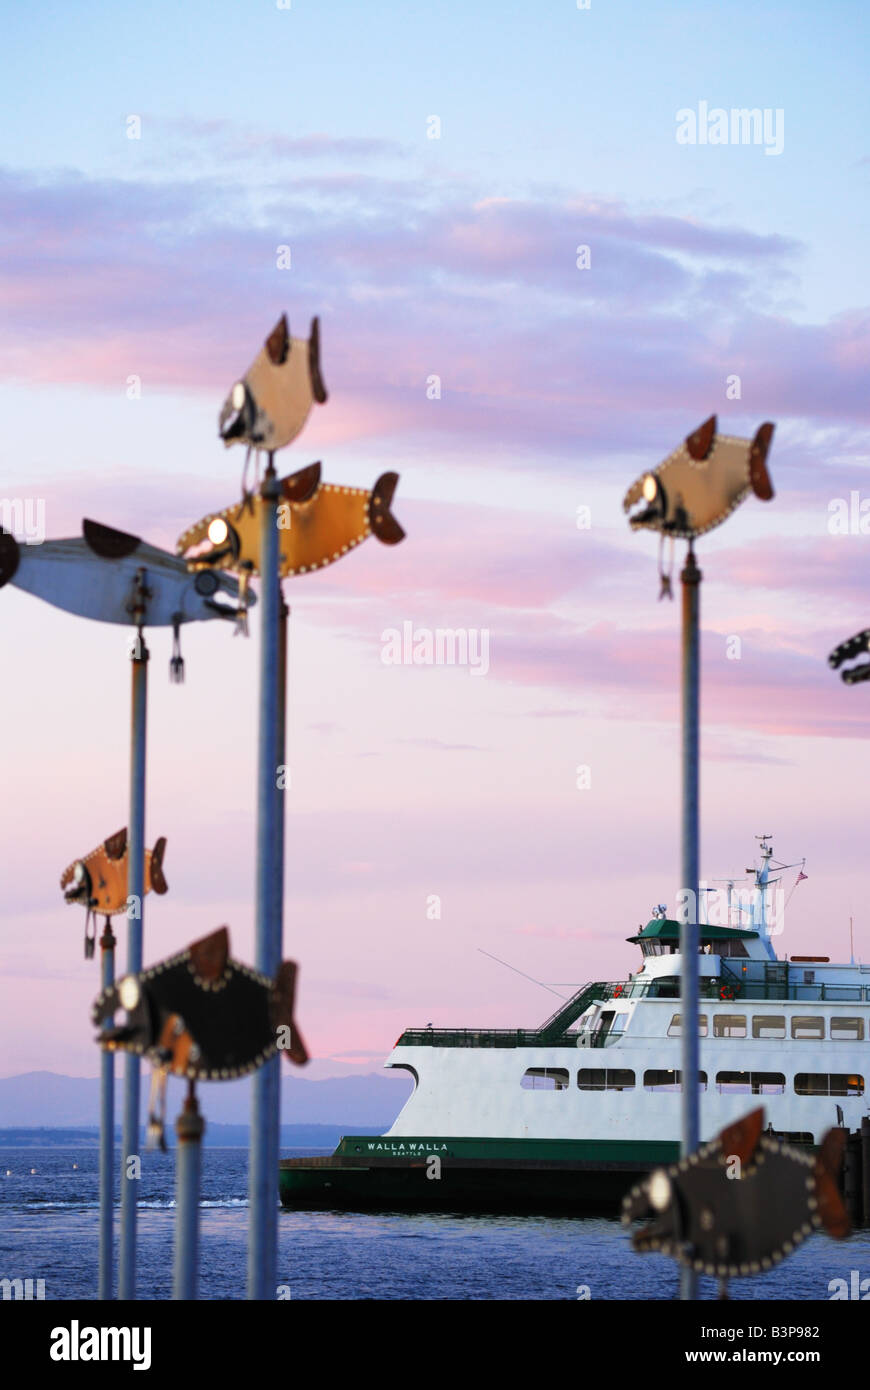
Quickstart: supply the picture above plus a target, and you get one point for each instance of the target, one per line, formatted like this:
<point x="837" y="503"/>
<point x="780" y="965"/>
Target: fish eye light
<point x="650" y="488"/>
<point x="659" y="1190"/>
<point x="238" y="395"/>
<point x="128" y="992"/>
<point x="79" y="872"/>
<point x="218" y="531"/>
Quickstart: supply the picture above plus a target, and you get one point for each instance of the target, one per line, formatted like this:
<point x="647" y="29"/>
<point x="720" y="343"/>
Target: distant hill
<point x="293" y="1137"/>
<point x="370" y="1102"/>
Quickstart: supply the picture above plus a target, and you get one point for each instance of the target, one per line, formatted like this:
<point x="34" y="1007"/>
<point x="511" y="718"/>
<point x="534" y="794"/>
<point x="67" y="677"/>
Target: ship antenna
<point x="523" y="973"/>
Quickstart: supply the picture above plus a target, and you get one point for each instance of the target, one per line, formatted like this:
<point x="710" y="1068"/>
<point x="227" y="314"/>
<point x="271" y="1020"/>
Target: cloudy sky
<point x="158" y="258"/>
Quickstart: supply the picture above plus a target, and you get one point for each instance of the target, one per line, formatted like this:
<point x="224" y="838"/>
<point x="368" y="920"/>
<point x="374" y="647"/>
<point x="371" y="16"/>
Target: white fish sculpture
<point x="113" y="577"/>
<point x="701" y="482"/>
<point x="268" y="407"/>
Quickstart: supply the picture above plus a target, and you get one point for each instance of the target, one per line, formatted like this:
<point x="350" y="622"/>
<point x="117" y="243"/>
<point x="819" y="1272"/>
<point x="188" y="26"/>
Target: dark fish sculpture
<point x="728" y="1218"/>
<point x="201" y="1015"/>
<point x="98" y="881"/>
<point x="847" y="651"/>
<point x="701" y="482"/>
<point x="113" y="577"/>
<point x="318" y="523"/>
<point x="268" y="407"/>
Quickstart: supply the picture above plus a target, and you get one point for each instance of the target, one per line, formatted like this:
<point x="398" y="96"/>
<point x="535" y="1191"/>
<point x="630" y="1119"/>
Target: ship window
<point x="768" y="1026"/>
<point x="809" y="1026"/>
<point x="545" y="1079"/>
<point x="675" y="1026"/>
<point x="599" y="1079"/>
<point x="847" y="1028"/>
<point x="730" y="948"/>
<point x="751" y="1083"/>
<point x="821" y="1084"/>
<point x="729" y="1025"/>
<point x="659" y="1080"/>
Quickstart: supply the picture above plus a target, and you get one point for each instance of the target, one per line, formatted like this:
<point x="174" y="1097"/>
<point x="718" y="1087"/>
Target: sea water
<point x="48" y="1231"/>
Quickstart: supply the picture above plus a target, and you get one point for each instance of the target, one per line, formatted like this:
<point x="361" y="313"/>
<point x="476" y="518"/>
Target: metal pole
<point x="265" y="1114"/>
<point x="136" y="894"/>
<point x="689" y="936"/>
<point x="189" y="1129"/>
<point x="865" y="1168"/>
<point x="107" y="1128"/>
<point x="280" y="794"/>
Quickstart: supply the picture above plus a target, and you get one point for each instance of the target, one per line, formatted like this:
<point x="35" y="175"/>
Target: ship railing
<point x="549" y="1034"/>
<point x="793" y="990"/>
<point x="477" y="1037"/>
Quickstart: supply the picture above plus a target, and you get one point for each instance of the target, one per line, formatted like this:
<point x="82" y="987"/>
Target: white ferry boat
<point x="570" y="1113"/>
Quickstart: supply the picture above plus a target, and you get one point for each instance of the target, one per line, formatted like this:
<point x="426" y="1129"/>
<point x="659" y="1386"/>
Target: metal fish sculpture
<point x="201" y="1015"/>
<point x="98" y="881"/>
<point x="268" y="407"/>
<point x="741" y="1203"/>
<point x="114" y="577"/>
<point x="847" y="651"/>
<point x="701" y="482"/>
<point x="318" y="523"/>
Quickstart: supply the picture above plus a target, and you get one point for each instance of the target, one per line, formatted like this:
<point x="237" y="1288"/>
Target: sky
<point x="430" y="172"/>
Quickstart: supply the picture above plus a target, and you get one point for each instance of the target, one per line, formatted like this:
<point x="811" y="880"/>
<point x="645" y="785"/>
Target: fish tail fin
<point x="381" y="519"/>
<point x="9" y="556"/>
<point x="158" y="880"/>
<point x="284" y="1008"/>
<point x="758" y="474"/>
<point x="831" y="1207"/>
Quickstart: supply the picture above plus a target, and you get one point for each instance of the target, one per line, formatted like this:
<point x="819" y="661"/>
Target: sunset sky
<point x="455" y="258"/>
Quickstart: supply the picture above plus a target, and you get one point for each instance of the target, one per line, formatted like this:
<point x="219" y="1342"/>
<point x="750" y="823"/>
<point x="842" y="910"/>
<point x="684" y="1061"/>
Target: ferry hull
<point x="478" y="1175"/>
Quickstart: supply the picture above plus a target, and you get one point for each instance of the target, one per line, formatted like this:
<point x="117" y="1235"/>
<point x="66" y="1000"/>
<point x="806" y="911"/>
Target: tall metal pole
<point x="689" y="936"/>
<point x="266" y="1101"/>
<point x="107" y="1128"/>
<point x="189" y="1129"/>
<point x="130" y="1158"/>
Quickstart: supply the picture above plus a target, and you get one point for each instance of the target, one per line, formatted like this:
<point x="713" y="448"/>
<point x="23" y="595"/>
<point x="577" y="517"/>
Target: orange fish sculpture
<point x="99" y="880"/>
<point x="318" y="523"/>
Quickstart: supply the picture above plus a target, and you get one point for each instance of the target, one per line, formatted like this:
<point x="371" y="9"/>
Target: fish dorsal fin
<point x="278" y="342"/>
<point x="301" y="486"/>
<point x="108" y="543"/>
<point x="700" y="441"/>
<point x="317" y="387"/>
<point x="740" y="1140"/>
<point x="209" y="955"/>
<point x="116" y="844"/>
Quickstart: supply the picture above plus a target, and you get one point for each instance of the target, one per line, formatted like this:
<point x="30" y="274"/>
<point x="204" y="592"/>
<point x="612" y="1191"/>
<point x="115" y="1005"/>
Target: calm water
<point x="48" y="1230"/>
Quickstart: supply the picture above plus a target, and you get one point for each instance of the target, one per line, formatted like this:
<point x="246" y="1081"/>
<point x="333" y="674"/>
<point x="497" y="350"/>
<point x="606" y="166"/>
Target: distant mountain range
<point x="367" y="1102"/>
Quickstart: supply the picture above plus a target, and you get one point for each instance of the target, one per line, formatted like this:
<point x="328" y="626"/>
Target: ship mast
<point x="760" y="877"/>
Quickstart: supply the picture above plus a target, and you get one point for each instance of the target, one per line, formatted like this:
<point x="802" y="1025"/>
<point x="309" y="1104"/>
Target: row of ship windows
<point x="773" y="1026"/>
<point x="755" y="1083"/>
